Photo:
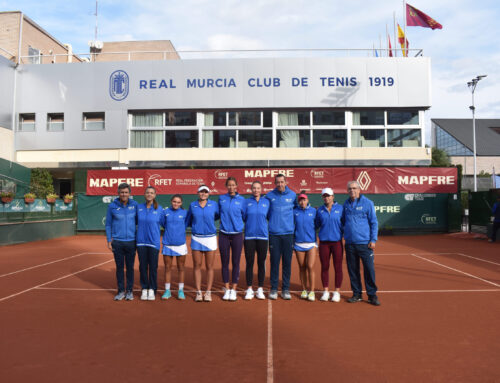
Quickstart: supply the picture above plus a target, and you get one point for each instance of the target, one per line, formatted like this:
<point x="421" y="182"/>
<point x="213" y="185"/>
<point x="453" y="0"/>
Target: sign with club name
<point x="310" y="180"/>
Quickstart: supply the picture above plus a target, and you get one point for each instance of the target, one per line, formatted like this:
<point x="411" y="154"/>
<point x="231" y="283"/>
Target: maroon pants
<point x="334" y="249"/>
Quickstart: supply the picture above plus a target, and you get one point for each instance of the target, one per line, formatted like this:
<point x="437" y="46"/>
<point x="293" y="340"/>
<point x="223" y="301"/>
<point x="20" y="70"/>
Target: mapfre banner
<point x="312" y="180"/>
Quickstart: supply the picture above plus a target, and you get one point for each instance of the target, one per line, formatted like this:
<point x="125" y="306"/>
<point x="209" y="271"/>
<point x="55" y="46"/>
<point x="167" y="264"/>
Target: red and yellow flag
<point x="390" y="47"/>
<point x="402" y="39"/>
<point x="416" y="18"/>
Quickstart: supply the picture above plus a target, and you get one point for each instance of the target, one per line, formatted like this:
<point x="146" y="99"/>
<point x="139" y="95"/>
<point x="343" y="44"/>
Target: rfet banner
<point x="311" y="180"/>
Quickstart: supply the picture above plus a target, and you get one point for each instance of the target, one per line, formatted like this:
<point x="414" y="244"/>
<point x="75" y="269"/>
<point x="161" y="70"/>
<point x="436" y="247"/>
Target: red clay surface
<point x="438" y="321"/>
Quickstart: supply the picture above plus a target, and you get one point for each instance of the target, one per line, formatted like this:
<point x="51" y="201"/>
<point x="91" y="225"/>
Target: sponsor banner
<point x="16" y="206"/>
<point x="415" y="181"/>
<point x="61" y="206"/>
<point x="40" y="205"/>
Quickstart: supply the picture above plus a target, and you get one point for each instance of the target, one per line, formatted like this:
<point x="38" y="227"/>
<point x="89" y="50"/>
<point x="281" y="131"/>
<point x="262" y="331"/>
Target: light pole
<point x="472" y="86"/>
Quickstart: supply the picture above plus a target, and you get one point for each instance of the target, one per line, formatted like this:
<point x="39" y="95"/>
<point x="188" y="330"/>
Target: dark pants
<point x="281" y="246"/>
<point x="124" y="253"/>
<point x="355" y="252"/>
<point x="230" y="244"/>
<point x="496" y="226"/>
<point x="251" y="246"/>
<point x="148" y="266"/>
<point x="328" y="249"/>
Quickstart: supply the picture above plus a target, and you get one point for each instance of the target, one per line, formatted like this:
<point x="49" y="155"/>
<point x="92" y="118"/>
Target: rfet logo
<point x="317" y="173"/>
<point x="221" y="174"/>
<point x="118" y="85"/>
<point x="364" y="180"/>
<point x="156" y="180"/>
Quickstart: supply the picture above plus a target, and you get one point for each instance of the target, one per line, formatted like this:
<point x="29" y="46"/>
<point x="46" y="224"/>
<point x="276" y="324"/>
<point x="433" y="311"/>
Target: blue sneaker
<point x="180" y="295"/>
<point x="167" y="294"/>
<point x="120" y="296"/>
<point x="129" y="296"/>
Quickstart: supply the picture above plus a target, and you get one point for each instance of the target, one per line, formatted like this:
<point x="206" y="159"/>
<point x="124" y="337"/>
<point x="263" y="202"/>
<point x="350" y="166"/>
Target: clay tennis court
<point x="438" y="321"/>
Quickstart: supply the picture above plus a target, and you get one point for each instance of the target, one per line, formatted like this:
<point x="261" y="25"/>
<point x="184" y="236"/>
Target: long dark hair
<point x="176" y="196"/>
<point x="155" y="204"/>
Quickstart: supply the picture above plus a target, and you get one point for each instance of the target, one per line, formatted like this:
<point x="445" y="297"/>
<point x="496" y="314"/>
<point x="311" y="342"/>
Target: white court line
<point x="54" y="280"/>
<point x="270" y="365"/>
<point x="412" y="253"/>
<point x="343" y="291"/>
<point x="458" y="271"/>
<point x="45" y="264"/>
<point x="479" y="259"/>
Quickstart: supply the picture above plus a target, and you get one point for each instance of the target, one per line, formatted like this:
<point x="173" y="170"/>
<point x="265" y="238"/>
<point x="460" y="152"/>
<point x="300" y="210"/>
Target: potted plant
<point x="29" y="197"/>
<point x="68" y="198"/>
<point x="7" y="197"/>
<point x="51" y="197"/>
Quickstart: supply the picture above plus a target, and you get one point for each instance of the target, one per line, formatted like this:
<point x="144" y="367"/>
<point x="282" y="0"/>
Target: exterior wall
<point x="485" y="164"/>
<point x="9" y="34"/>
<point x="6" y="144"/>
<point x="7" y="74"/>
<point x="160" y="47"/>
<point x="226" y="157"/>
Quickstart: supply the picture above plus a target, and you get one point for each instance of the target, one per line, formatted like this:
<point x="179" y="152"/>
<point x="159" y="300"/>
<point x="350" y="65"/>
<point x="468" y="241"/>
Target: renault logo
<point x="364" y="180"/>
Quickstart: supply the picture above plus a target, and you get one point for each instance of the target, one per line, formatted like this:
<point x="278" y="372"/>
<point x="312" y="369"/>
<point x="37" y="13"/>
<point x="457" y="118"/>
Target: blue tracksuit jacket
<point x="304" y="219"/>
<point x="360" y="221"/>
<point x="256" y="218"/>
<point x="174" y="222"/>
<point x="330" y="223"/>
<point x="281" y="211"/>
<point x="121" y="220"/>
<point x="202" y="219"/>
<point x="231" y="211"/>
<point x="148" y="226"/>
<point x="496" y="211"/>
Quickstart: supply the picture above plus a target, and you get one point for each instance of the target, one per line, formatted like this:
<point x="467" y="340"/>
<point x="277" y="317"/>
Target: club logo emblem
<point x="118" y="85"/>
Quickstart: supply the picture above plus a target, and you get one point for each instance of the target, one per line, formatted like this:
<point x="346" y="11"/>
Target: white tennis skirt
<point x="175" y="251"/>
<point x="203" y="243"/>
<point x="304" y="246"/>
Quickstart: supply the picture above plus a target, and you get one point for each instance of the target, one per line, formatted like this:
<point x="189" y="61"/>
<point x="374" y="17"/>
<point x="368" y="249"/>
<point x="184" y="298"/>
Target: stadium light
<point x="472" y="86"/>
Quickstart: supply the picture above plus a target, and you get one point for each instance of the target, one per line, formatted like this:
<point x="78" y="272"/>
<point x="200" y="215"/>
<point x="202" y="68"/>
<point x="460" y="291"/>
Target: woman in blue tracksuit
<point x="149" y="218"/>
<point x="174" y="243"/>
<point x="256" y="239"/>
<point x="232" y="209"/>
<point x="121" y="220"/>
<point x="305" y="245"/>
<point x="201" y="217"/>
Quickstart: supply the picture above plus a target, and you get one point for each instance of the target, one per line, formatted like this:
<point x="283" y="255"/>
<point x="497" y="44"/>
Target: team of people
<point x="280" y="221"/>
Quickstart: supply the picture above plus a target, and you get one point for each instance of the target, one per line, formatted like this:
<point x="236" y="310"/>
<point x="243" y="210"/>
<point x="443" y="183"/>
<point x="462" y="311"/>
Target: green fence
<point x="480" y="205"/>
<point x="14" y="178"/>
<point x="395" y="212"/>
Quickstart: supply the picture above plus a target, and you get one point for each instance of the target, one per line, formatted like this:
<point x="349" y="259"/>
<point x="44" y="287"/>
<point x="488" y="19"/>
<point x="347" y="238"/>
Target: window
<point x="180" y="118"/>
<point x="293" y="138"/>
<point x="34" y="55"/>
<point x="147" y="120"/>
<point x="215" y="119"/>
<point x="327" y="117"/>
<point x="55" y="122"/>
<point x="368" y="117"/>
<point x="450" y="144"/>
<point x="93" y="121"/>
<point x="403" y="138"/>
<point x="294" y="118"/>
<point x="146" y="139"/>
<point x="219" y="138"/>
<point x="367" y="138"/>
<point x="255" y="139"/>
<point x="27" y="122"/>
<point x="251" y="118"/>
<point x="181" y="138"/>
<point x="402" y="117"/>
<point x="330" y="138"/>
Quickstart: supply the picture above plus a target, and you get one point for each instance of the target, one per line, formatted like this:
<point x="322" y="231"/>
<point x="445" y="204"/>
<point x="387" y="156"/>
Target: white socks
<point x="167" y="286"/>
<point x="181" y="286"/>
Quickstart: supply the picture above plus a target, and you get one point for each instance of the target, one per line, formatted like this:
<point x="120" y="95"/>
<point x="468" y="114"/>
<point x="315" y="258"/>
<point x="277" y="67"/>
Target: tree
<point x="41" y="182"/>
<point x="440" y="158"/>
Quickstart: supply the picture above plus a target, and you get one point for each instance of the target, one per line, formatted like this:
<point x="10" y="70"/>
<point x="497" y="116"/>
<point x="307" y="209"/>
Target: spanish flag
<point x="402" y="39"/>
<point x="416" y="18"/>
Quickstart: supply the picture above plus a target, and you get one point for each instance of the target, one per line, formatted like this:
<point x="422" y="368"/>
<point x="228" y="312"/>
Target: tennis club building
<point x="216" y="113"/>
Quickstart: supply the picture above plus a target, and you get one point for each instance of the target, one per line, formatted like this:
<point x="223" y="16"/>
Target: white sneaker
<point x="325" y="296"/>
<point x="311" y="297"/>
<point x="232" y="295"/>
<point x="249" y="295"/>
<point x="336" y="296"/>
<point x="151" y="295"/>
<point x="144" y="295"/>
<point x="227" y="293"/>
<point x="260" y="293"/>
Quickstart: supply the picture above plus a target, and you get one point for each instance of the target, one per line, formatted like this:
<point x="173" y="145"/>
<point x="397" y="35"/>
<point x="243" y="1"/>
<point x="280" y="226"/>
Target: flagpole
<point x="395" y="46"/>
<point x="386" y="41"/>
<point x="406" y="37"/>
<point x="380" y="43"/>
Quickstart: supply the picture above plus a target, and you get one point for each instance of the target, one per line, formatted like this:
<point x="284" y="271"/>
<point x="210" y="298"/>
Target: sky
<point x="467" y="46"/>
